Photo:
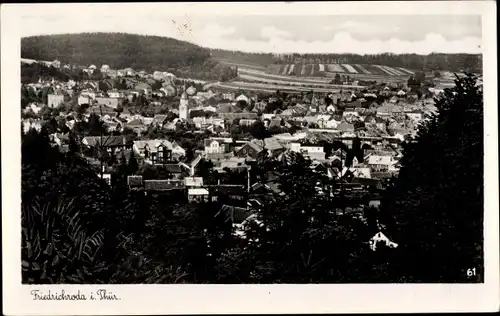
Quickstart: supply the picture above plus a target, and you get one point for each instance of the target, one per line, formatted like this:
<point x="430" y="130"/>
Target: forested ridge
<point x="118" y="50"/>
<point x="434" y="61"/>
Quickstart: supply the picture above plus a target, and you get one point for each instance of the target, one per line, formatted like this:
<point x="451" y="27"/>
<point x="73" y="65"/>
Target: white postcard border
<point x="221" y="299"/>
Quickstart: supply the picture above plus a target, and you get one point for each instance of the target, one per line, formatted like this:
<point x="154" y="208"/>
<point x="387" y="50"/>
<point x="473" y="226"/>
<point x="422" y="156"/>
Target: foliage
<point x="297" y="237"/>
<point x="119" y="51"/>
<point x="31" y="73"/>
<point x="356" y="151"/>
<point x="77" y="229"/>
<point x="72" y="221"/>
<point x="56" y="248"/>
<point x="258" y="130"/>
<point x="133" y="166"/>
<point x="435" y="207"/>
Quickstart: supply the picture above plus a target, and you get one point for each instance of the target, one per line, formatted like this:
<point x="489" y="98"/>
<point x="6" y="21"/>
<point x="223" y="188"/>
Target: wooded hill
<point x="121" y="50"/>
<point x="118" y="50"/>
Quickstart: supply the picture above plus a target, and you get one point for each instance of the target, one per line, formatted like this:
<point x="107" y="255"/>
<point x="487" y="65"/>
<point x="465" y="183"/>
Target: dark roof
<point x="345" y="127"/>
<point x="255" y="146"/>
<point x="368" y="182"/>
<point x="107" y="141"/>
<point x="134" y="180"/>
<point x="234" y="214"/>
<point x="195" y="161"/>
<point x="232" y="116"/>
<point x="63" y="137"/>
<point x="266" y="188"/>
<point x="102" y="108"/>
<point x="161" y="185"/>
<point x="173" y="168"/>
<point x="231" y="189"/>
<point x="257" y="186"/>
<point x="370" y="117"/>
<point x="381" y="175"/>
<point x="227" y="108"/>
<point x="354" y="104"/>
<point x="135" y="122"/>
<point x="160" y="118"/>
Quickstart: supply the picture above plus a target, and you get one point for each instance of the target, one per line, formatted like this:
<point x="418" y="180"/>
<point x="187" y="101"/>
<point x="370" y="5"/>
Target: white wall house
<point x="214" y="147"/>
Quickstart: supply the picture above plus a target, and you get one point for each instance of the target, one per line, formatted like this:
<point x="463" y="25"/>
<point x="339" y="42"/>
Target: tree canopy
<point x="435" y="207"/>
<point x="120" y="51"/>
<point x="78" y="229"/>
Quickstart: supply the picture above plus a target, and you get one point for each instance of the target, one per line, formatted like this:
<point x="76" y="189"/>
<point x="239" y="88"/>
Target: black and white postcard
<point x="283" y="157"/>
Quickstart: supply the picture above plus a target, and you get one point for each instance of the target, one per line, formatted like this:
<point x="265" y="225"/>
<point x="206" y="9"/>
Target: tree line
<point x="434" y="61"/>
<point x="210" y="70"/>
<point x="118" y="50"/>
<point x="121" y="50"/>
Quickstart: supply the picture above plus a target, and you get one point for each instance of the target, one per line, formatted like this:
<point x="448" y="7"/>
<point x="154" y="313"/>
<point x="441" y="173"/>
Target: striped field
<point x="383" y="69"/>
<point x="318" y="71"/>
<point x="303" y="71"/>
<point x="406" y="70"/>
<point x="363" y="70"/>
<point x="334" y="68"/>
<point x="288" y="81"/>
<point x="285" y="70"/>
<point x="350" y="68"/>
<point x="394" y="71"/>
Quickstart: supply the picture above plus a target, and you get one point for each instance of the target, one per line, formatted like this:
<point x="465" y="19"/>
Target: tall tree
<point x="298" y="237"/>
<point x="133" y="166"/>
<point x="436" y="204"/>
<point x="258" y="130"/>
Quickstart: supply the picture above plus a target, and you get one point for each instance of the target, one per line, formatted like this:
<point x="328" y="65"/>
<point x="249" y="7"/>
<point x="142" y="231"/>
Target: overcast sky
<point x="279" y="34"/>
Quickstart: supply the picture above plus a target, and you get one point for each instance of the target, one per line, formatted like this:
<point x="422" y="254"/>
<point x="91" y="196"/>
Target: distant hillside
<point x="451" y="62"/>
<point x="120" y="50"/>
<point x="259" y="60"/>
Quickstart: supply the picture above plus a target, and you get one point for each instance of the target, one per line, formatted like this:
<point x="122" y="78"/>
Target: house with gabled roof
<point x="159" y="119"/>
<point x="380" y="163"/>
<point x="250" y="149"/>
<point x="158" y="150"/>
<point x="394" y="100"/>
<point x="110" y="143"/>
<point x="217" y="145"/>
<point x="137" y="125"/>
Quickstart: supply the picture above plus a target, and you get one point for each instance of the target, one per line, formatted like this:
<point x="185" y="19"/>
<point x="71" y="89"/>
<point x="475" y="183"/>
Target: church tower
<point x="183" y="107"/>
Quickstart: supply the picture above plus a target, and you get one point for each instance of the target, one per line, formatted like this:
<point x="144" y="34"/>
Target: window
<point x="167" y="154"/>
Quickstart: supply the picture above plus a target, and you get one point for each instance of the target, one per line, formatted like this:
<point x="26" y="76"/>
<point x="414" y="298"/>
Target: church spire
<point x="183" y="94"/>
